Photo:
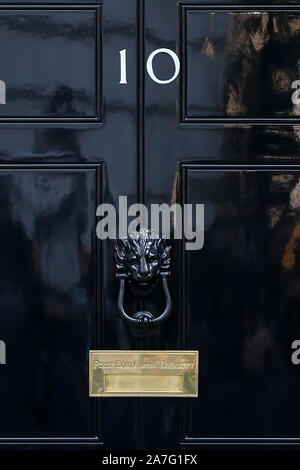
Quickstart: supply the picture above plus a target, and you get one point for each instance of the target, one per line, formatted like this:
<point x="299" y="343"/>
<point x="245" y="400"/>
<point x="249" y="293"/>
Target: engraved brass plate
<point x="143" y="373"/>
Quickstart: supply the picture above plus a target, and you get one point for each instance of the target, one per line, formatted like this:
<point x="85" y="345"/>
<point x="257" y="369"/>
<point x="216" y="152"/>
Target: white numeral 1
<point x="123" y="67"/>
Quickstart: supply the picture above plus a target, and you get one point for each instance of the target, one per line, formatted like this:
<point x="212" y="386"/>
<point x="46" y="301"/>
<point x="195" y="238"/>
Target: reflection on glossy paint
<point x="42" y="60"/>
<point x="241" y="64"/>
<point x="245" y="285"/>
<point x="46" y="239"/>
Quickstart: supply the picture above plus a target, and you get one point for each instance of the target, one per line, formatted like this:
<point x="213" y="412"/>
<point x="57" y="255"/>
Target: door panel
<point x="49" y="301"/>
<point x="238" y="63"/>
<point x="46" y="79"/>
<point x="241" y="300"/>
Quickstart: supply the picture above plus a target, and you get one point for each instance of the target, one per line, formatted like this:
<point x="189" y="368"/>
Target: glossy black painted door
<point x="226" y="135"/>
<point x="68" y="141"/>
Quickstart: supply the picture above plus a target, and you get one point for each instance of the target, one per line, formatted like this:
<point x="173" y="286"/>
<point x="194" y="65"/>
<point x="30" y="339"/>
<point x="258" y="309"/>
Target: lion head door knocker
<point x="142" y="261"/>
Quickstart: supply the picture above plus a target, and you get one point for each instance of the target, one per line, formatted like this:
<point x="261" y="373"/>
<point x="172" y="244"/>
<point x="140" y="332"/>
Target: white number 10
<point x="173" y="55"/>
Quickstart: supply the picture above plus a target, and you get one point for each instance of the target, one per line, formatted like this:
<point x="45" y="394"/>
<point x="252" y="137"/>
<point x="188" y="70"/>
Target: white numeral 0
<point x="123" y="66"/>
<point x="150" y="65"/>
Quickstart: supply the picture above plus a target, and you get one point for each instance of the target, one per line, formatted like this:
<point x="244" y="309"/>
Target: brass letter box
<point x="143" y="373"/>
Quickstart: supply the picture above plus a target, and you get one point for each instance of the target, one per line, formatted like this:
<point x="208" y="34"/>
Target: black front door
<point x="162" y="102"/>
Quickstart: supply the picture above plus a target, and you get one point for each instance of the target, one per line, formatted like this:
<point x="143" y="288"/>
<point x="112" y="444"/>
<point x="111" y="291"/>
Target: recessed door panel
<point x="48" y="300"/>
<point x="50" y="62"/>
<point x="241" y="302"/>
<point x="239" y="63"/>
